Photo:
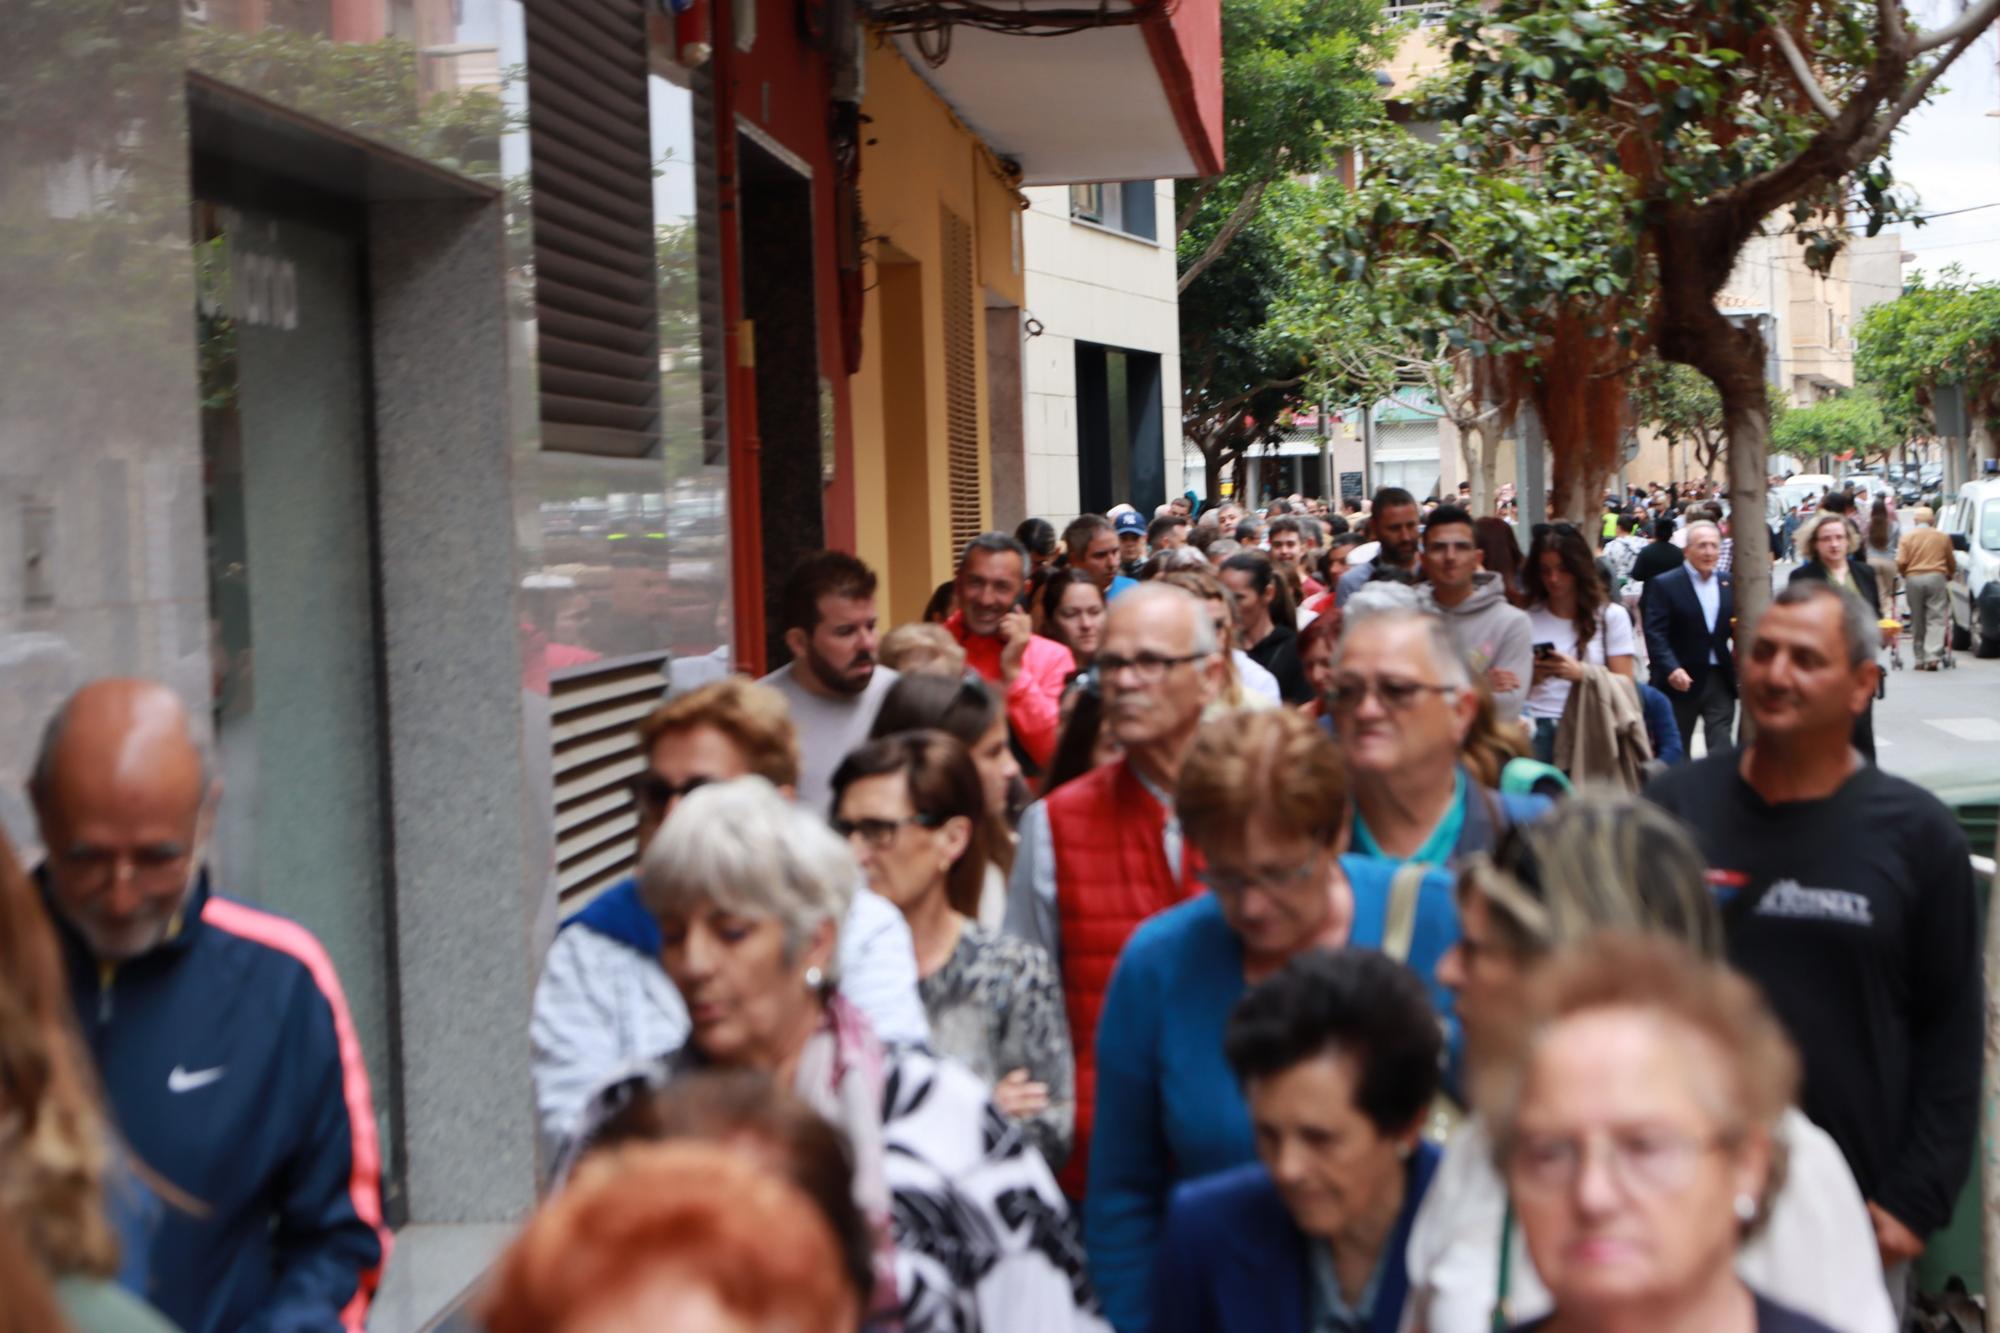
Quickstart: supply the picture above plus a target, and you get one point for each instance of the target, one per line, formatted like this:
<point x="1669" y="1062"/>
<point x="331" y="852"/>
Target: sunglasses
<point x="656" y="793"/>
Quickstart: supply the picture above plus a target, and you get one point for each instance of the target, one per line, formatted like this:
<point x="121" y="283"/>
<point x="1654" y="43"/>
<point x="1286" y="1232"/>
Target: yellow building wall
<point x="917" y="161"/>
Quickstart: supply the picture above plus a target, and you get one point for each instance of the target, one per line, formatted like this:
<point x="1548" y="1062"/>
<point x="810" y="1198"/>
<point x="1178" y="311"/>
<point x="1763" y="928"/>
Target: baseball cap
<point x="1130" y="521"/>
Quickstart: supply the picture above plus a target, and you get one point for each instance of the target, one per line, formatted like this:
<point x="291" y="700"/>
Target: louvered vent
<point x="961" y="383"/>
<point x="594" y="713"/>
<point x="708" y="243"/>
<point x="595" y="285"/>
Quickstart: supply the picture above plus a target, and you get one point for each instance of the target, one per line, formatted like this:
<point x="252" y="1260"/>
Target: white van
<point x="1975" y="516"/>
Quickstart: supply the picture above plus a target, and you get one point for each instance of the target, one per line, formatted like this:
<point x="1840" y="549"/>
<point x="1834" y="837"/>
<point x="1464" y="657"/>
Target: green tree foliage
<point x="1682" y="406"/>
<point x="1945" y="331"/>
<point x="1850" y="426"/>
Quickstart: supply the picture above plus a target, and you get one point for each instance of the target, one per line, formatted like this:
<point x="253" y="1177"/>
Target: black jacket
<point x="1677" y="633"/>
<point x="1278" y="653"/>
<point x="1859" y="574"/>
<point x="1655" y="560"/>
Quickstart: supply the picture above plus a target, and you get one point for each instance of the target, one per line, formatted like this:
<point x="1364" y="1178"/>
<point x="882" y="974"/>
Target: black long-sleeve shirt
<point x="1856" y="916"/>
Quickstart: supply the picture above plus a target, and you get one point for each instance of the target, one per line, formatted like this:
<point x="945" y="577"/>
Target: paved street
<point x="1942" y="728"/>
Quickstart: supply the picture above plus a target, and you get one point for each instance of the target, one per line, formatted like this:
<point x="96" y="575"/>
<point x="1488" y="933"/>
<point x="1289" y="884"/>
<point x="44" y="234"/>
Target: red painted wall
<point x="1187" y="48"/>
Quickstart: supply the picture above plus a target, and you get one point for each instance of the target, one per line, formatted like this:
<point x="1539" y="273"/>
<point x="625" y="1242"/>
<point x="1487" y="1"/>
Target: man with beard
<point x="1394" y="523"/>
<point x="832" y="684"/>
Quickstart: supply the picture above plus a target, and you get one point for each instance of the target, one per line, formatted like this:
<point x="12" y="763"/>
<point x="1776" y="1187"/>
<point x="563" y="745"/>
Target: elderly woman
<point x="1073" y="613"/>
<point x="1638" y="1138"/>
<point x="1827" y="542"/>
<point x="911" y="807"/>
<point x="749" y="892"/>
<point x="1278" y="886"/>
<point x="1599" y="863"/>
<point x="1337" y="1056"/>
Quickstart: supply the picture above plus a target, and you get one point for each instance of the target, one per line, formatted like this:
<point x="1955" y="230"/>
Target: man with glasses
<point x="1402" y="702"/>
<point x="1102" y="853"/>
<point x="1492" y="634"/>
<point x="603" y="1002"/>
<point x="219" y="1032"/>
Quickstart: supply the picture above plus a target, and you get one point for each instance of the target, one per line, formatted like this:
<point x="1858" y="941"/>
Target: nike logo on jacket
<point x="233" y="1071"/>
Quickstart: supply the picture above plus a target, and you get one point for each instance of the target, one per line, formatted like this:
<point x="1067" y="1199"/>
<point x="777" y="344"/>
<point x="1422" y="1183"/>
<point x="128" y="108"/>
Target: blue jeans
<point x="1545" y="738"/>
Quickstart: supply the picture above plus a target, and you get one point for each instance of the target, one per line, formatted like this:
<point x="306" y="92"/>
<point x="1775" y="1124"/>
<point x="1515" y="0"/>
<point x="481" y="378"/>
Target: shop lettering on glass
<point x="263" y="287"/>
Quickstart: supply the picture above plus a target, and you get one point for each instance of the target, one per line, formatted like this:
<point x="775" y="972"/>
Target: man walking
<point x="1847" y="896"/>
<point x="1394" y="524"/>
<point x="1659" y="555"/>
<point x="833" y="685"/>
<point x="1688" y="613"/>
<point x="220" y="1032"/>
<point x="1926" y="560"/>
<point x="1102" y="852"/>
<point x="1000" y="641"/>
<point x="1492" y="634"/>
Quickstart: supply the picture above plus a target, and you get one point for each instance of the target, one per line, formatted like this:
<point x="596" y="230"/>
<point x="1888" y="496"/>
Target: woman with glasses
<point x="1263" y="801"/>
<point x="1598" y="863"/>
<point x="911" y="809"/>
<point x="748" y="893"/>
<point x="1638" y="1136"/>
<point x="1072" y="608"/>
<point x="1827" y="541"/>
<point x="1573" y="621"/>
<point x="966" y="708"/>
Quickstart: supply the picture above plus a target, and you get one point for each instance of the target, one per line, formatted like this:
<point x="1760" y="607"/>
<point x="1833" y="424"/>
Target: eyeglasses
<point x="656" y="793"/>
<point x="1225" y="885"/>
<point x="1150" y="668"/>
<point x="92" y="869"/>
<point x="1398" y="696"/>
<point x="879" y="833"/>
<point x="1641" y="1161"/>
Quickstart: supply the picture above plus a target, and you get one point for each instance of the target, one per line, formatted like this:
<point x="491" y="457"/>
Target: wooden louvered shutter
<point x="596" y="289"/>
<point x="961" y="384"/>
<point x="594" y="713"/>
<point x="708" y="240"/>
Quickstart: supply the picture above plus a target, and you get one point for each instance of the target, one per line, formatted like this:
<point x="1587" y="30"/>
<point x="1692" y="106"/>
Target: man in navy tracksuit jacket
<point x="219" y="1031"/>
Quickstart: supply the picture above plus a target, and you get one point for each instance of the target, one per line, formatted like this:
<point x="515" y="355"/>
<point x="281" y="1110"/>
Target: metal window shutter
<point x="708" y="246"/>
<point x="961" y="384"/>
<point x="594" y="713"/>
<point x="596" y="280"/>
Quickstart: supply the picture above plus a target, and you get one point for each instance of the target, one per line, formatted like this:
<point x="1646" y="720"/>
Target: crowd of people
<point x="1207" y="921"/>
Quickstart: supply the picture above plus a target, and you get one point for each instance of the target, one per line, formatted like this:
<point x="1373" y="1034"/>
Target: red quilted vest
<point x="1111" y="874"/>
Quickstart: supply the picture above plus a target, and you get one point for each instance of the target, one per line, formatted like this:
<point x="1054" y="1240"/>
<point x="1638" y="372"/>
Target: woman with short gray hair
<point x="749" y="892"/>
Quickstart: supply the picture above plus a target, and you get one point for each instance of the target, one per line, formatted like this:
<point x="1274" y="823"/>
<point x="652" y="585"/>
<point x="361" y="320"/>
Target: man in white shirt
<point x="833" y="684"/>
<point x="1687" y="612"/>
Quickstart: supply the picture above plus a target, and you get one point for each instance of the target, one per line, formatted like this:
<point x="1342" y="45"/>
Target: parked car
<point x="1972" y="521"/>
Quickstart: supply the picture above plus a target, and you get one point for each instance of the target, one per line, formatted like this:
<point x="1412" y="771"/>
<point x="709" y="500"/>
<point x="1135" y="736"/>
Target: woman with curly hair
<point x="1573" y="622"/>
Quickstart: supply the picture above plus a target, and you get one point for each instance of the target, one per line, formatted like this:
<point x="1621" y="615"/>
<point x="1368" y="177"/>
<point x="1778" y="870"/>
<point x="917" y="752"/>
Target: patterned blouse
<point x="996" y="1006"/>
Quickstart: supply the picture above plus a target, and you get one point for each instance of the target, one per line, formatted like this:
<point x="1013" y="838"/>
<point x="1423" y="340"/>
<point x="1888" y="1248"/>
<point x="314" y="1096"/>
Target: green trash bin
<point x="1954" y="1251"/>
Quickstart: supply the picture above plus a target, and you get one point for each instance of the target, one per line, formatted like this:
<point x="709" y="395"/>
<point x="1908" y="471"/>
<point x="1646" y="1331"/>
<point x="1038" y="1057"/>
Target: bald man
<point x="219" y="1031"/>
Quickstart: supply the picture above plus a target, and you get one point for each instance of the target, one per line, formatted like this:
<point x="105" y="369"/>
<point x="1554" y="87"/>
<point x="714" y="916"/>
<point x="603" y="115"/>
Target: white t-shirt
<point x="1613" y="639"/>
<point x="828" y="729"/>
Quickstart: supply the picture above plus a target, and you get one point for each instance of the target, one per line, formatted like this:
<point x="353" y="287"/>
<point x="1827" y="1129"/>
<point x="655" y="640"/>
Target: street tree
<point x="1848" y="427"/>
<point x="1941" y="331"/>
<point x="1721" y="115"/>
<point x="1683" y="408"/>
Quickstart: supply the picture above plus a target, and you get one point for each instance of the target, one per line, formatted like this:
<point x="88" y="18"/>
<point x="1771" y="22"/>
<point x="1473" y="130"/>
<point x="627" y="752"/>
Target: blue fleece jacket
<point x="1168" y="1106"/>
<point x="233" y="1071"/>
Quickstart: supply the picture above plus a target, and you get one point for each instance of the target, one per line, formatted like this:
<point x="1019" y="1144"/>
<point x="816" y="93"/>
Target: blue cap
<point x="1130" y="521"/>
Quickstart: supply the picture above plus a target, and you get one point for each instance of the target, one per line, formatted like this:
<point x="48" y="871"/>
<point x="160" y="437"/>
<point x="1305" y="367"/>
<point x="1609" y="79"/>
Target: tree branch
<point x="1969" y="24"/>
<point x="1238" y="219"/>
<point x="1204" y="188"/>
<point x="1781" y="37"/>
<point x="1874" y="140"/>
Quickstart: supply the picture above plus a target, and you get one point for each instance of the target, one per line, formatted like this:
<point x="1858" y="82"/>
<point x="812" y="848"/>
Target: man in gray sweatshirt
<point x="1491" y="632"/>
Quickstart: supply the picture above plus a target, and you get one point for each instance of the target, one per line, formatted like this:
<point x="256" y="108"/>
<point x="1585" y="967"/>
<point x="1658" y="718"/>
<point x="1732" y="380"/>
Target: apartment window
<point x="1126" y="206"/>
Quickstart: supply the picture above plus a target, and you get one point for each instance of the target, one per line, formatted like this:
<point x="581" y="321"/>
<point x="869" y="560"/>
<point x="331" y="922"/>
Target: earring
<point x="814" y="977"/>
<point x="1746" y="1207"/>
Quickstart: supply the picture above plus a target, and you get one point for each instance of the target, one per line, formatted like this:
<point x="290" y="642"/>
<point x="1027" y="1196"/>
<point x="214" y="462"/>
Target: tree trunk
<point x="1485" y="483"/>
<point x="1468" y="458"/>
<point x="1746" y="416"/>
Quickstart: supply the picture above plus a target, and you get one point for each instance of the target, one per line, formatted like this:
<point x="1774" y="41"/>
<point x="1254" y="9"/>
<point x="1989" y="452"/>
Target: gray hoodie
<point x="1494" y="636"/>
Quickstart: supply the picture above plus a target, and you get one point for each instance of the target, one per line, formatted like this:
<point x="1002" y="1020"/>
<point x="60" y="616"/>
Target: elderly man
<point x="1102" y="852"/>
<point x="1926" y="560"/>
<point x="1401" y="703"/>
<point x="1000" y="642"/>
<point x="1847" y="896"/>
<point x="220" y="1033"/>
<point x="604" y="1003"/>
<point x="1688" y="613"/>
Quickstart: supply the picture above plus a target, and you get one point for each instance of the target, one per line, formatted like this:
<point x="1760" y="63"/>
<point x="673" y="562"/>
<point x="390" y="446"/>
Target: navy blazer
<point x="1231" y="1259"/>
<point x="1677" y="634"/>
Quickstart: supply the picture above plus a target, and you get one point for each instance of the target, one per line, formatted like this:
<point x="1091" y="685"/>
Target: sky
<point x="1949" y="153"/>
